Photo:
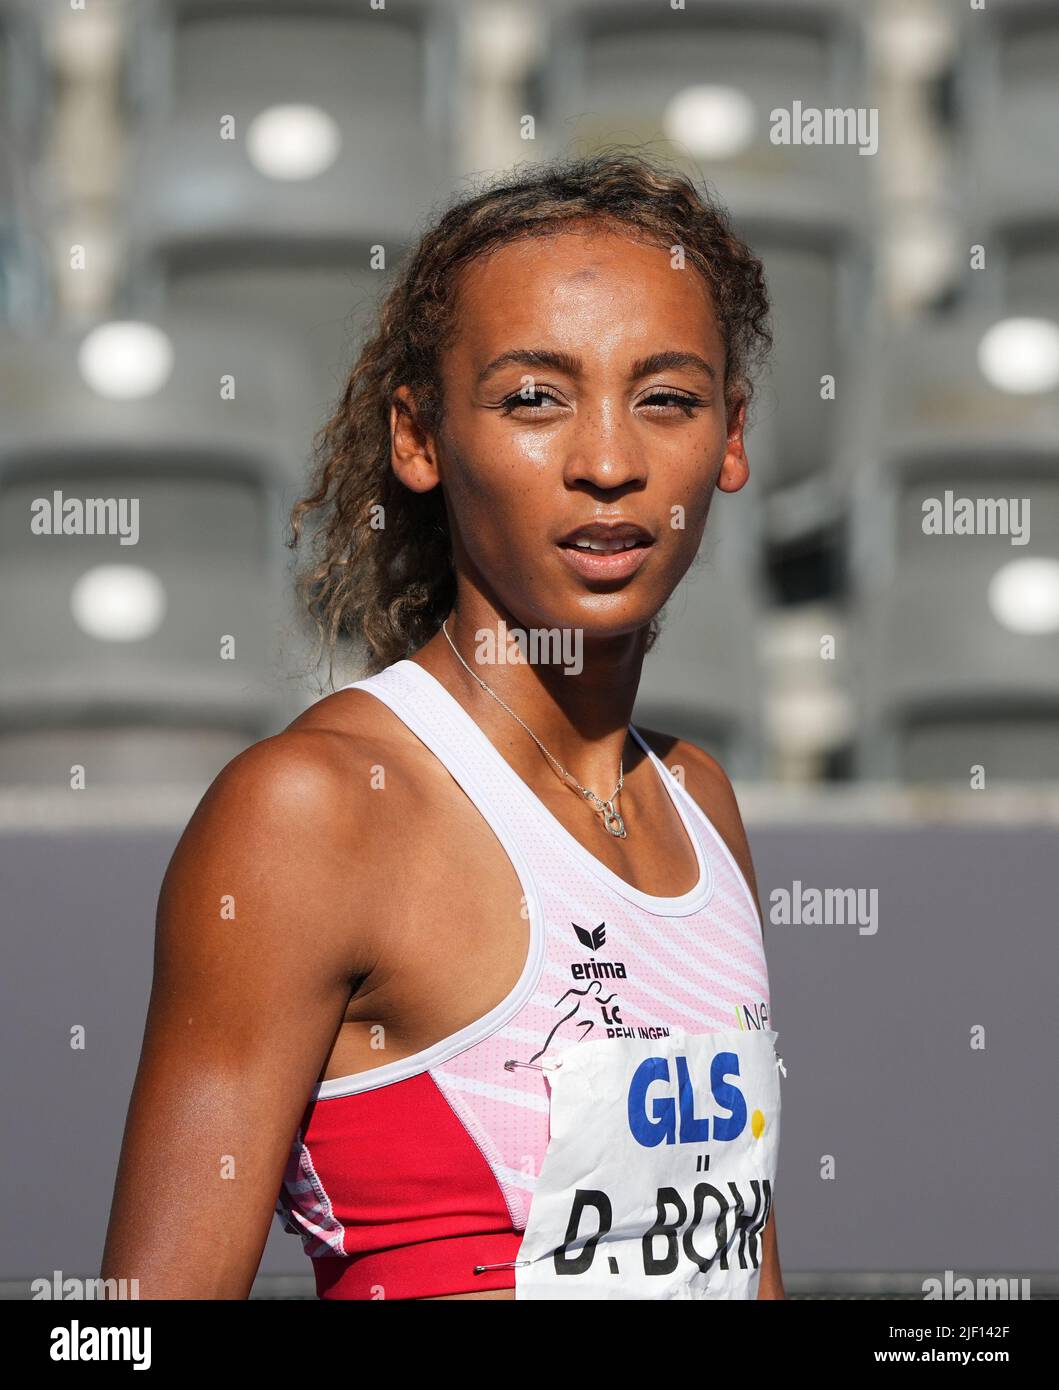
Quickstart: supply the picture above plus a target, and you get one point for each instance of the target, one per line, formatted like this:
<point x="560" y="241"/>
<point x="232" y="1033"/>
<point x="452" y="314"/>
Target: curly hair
<point x="381" y="572"/>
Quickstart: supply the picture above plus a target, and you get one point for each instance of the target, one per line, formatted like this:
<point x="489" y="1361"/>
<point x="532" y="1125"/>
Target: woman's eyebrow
<point x="533" y="357"/>
<point x="669" y="361"/>
<point x="571" y="365"/>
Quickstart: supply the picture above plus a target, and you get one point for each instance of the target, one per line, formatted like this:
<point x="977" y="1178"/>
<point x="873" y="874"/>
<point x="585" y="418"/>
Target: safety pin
<point x="551" y="1064"/>
<point x="779" y="1063"/>
<point x="504" y="1264"/>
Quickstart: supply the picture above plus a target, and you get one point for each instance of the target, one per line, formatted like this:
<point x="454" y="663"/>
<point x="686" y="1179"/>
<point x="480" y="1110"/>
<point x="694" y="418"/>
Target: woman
<point x="407" y="948"/>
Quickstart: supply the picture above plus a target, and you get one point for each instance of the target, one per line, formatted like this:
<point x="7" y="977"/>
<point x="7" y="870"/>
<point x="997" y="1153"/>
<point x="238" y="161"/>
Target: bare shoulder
<point x="356" y="738"/>
<point x="321" y="766"/>
<point x="709" y="785"/>
<point x="291" y="831"/>
<point x="325" y="771"/>
<point x="699" y="771"/>
<point x="300" y="776"/>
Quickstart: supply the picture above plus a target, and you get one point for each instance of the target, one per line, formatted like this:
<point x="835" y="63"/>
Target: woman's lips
<point x="602" y="564"/>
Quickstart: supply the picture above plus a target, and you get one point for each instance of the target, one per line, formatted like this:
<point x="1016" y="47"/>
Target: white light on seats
<point x="1024" y="596"/>
<point x="711" y="122"/>
<point x="118" y="603"/>
<point x="1021" y="355"/>
<point x="125" y="360"/>
<point x="293" y="141"/>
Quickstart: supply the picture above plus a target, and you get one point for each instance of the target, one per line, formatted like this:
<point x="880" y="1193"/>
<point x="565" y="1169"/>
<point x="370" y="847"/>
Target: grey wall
<point x="945" y="1156"/>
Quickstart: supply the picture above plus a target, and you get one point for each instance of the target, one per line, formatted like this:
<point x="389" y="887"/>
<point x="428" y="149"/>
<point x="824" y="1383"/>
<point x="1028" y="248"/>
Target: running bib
<point x="658" y="1176"/>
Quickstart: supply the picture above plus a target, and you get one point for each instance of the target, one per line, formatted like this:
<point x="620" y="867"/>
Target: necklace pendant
<point x="612" y="821"/>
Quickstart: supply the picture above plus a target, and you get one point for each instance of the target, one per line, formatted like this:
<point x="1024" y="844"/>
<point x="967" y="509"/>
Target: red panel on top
<point x="419" y="1203"/>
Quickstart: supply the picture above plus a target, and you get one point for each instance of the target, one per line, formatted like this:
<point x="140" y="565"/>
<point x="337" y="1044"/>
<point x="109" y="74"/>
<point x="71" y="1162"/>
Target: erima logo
<point x="595" y="969"/>
<point x="592" y="939"/>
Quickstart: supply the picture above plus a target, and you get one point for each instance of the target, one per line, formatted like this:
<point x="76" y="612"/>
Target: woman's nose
<point x="602" y="448"/>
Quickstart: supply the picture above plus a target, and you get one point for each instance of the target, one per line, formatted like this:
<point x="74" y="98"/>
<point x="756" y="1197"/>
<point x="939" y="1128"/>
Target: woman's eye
<point x="666" y="400"/>
<point x="658" y="400"/>
<point x="531" y="398"/>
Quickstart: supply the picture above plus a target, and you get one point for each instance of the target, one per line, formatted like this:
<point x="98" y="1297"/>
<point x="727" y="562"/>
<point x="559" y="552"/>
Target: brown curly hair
<point x="382" y="571"/>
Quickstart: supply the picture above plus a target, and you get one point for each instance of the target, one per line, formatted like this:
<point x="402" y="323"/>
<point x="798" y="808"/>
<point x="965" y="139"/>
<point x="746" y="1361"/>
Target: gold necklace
<point x="613" y="822"/>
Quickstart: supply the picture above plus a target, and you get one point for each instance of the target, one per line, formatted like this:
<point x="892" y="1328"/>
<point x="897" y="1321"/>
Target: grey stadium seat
<point x="25" y="88"/>
<point x="1009" y="112"/>
<point x="208" y="228"/>
<point x="615" y="64"/>
<point x="816" y="270"/>
<point x="211" y="500"/>
<point x="944" y="687"/>
<point x="1008" y="102"/>
<point x="942" y="684"/>
<point x="931" y="421"/>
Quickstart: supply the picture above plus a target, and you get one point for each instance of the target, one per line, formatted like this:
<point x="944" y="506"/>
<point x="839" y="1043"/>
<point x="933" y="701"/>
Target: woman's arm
<point x="255" y="950"/>
<point x="770" y="1282"/>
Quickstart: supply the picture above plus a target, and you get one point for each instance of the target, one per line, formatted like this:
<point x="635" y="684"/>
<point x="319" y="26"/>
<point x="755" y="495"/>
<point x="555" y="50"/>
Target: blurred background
<point x="202" y="201"/>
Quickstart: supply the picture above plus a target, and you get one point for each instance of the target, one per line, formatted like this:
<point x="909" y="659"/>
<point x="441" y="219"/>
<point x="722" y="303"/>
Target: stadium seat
<point x="946" y="681"/>
<point x="25" y="90"/>
<point x="930" y="421"/>
<point x="1008" y="102"/>
<point x="108" y="639"/>
<point x="614" y="68"/>
<point x="817" y="272"/>
<point x="209" y="226"/>
<point x="25" y="81"/>
<point x="944" y="687"/>
<point x="1007" y="114"/>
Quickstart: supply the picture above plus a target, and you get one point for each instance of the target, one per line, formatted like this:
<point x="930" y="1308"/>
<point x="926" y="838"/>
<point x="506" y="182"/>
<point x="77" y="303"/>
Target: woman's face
<point x="585" y="385"/>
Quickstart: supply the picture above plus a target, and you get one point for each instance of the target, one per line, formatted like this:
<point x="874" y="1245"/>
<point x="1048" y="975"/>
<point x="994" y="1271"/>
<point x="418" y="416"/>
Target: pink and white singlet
<point x="407" y="1180"/>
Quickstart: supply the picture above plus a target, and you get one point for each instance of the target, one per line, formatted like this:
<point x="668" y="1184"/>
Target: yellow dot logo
<point x="757" y="1124"/>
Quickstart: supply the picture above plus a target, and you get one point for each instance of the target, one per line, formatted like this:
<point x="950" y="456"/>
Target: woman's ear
<point x="413" y="456"/>
<point x="735" y="469"/>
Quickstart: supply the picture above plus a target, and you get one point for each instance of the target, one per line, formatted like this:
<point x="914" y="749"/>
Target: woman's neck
<point x="576" y="696"/>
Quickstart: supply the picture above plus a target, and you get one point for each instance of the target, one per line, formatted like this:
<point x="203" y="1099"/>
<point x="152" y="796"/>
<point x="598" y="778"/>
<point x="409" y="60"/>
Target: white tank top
<point x="605" y="961"/>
